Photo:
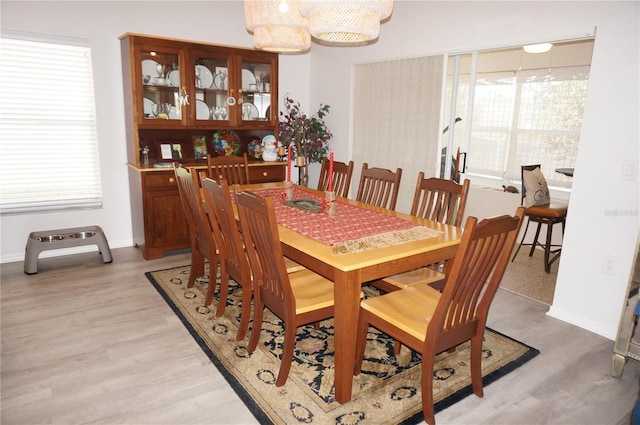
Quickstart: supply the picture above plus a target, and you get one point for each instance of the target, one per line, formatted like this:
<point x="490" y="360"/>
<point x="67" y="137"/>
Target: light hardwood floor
<point x="84" y="342"/>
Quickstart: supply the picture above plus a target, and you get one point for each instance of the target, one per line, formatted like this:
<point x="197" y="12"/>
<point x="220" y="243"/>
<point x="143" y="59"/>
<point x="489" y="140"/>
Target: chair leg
<point x="257" y="326"/>
<point x="197" y="266"/>
<point x="211" y="289"/>
<point x="245" y="312"/>
<point x="476" y="363"/>
<point x="526" y="228"/>
<point x="535" y="242"/>
<point x="287" y="353"/>
<point x="224" y="291"/>
<point x="547" y="248"/>
<point x="427" y="389"/>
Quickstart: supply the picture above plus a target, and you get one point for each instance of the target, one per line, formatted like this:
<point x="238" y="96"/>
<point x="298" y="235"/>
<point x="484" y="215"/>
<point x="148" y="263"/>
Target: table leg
<point x="347" y="305"/>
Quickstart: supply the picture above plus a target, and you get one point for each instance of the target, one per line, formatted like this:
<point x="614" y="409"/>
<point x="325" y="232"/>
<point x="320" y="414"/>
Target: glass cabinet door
<point x="211" y="88"/>
<point x="163" y="91"/>
<point x="256" y="90"/>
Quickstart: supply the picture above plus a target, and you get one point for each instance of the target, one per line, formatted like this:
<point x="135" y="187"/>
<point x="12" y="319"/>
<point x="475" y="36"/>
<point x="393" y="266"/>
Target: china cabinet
<point x="185" y="100"/>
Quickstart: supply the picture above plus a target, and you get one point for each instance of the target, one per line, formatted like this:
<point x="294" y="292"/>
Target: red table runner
<point x="351" y="229"/>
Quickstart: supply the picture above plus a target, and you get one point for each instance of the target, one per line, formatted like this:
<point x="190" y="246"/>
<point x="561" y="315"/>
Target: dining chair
<point x="233" y="260"/>
<point x="539" y="209"/>
<point x="233" y="169"/>
<point x="429" y="321"/>
<point x="379" y="187"/>
<point x="435" y="199"/>
<point x="296" y="298"/>
<point x="341" y="177"/>
<point x="233" y="257"/>
<point x="201" y="236"/>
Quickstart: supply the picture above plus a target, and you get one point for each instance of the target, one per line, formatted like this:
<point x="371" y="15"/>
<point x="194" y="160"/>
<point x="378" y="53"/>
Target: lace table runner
<point x="351" y="229"/>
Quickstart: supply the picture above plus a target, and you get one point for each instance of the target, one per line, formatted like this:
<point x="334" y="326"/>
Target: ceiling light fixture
<point x="538" y="48"/>
<point x="277" y="26"/>
<point x="346" y="22"/>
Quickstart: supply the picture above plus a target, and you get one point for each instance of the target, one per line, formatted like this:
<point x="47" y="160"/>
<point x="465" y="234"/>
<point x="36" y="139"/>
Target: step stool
<point x="63" y="238"/>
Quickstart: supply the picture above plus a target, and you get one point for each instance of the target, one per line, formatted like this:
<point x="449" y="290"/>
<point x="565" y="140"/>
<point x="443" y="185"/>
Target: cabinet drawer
<point x="160" y="180"/>
<point x="264" y="174"/>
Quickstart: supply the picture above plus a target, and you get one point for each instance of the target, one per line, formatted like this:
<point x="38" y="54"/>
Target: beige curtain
<point x="396" y="119"/>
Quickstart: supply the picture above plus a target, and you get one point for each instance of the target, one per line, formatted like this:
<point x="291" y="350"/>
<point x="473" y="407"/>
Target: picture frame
<point x="199" y="147"/>
<point x="170" y="150"/>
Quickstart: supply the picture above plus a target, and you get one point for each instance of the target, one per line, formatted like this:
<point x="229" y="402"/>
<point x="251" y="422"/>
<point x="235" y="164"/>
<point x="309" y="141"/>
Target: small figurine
<point x="269" y="148"/>
<point x="145" y="155"/>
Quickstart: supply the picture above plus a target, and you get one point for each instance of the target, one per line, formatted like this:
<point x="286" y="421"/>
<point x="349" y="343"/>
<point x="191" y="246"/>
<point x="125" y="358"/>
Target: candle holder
<point x="287" y="194"/>
<point x="329" y="206"/>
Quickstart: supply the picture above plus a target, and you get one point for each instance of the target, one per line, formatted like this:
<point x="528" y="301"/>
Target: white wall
<point x="603" y="215"/>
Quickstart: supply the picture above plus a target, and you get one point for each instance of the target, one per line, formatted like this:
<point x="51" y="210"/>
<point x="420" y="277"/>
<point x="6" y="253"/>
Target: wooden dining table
<point x="349" y="271"/>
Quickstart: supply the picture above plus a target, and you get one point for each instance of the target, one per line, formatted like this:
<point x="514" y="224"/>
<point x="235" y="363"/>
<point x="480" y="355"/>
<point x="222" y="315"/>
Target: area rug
<point x="387" y="391"/>
<point x="525" y="276"/>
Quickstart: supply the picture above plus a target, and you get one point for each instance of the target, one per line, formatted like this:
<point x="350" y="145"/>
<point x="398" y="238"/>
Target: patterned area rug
<point x="387" y="390"/>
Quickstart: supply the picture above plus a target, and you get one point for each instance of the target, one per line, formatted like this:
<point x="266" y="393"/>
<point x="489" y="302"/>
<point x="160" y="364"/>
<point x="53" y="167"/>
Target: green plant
<point x="308" y="134"/>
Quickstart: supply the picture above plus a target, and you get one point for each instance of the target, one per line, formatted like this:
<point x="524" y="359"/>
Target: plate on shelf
<point x="202" y="110"/>
<point x="174" y="114"/>
<point x="150" y="67"/>
<point x="206" y="78"/>
<point x="174" y="78"/>
<point x="148" y="105"/>
<point x="220" y="80"/>
<point x="247" y="79"/>
<point x="249" y="112"/>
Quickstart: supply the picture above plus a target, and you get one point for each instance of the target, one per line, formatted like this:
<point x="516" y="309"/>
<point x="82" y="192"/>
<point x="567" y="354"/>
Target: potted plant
<point x="308" y="135"/>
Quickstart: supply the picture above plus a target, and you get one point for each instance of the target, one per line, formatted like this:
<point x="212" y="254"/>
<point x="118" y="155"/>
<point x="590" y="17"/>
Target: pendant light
<point x="277" y="26"/>
<point x="346" y="22"/>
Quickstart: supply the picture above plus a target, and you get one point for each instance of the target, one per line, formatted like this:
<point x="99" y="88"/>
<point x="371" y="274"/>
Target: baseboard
<point x="583" y="322"/>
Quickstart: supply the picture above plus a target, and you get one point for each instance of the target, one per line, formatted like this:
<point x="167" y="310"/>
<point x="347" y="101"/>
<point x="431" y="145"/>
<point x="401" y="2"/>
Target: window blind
<point x="48" y="141"/>
<point x="396" y="116"/>
<point x="527" y="117"/>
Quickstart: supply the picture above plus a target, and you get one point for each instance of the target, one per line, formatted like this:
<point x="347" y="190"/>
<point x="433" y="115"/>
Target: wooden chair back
<point x="379" y="187"/>
<point x="233" y="169"/>
<point x="233" y="258"/>
<point x="200" y="231"/>
<point x="218" y="197"/>
<point x="440" y="199"/>
<point x="341" y="177"/>
<point x="476" y="273"/>
<point x="262" y="242"/>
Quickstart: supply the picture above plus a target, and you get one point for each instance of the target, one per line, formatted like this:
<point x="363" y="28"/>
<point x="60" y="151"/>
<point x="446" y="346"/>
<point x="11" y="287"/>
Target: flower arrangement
<point x="308" y="134"/>
<point x="254" y="148"/>
<point x="226" y="142"/>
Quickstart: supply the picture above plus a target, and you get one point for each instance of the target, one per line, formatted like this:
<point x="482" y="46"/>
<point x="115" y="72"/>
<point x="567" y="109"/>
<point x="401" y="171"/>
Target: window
<point x="48" y="142"/>
<point x="529" y="114"/>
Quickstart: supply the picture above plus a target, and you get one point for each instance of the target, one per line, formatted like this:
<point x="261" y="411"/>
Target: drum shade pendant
<point x="277" y="26"/>
<point x="345" y="22"/>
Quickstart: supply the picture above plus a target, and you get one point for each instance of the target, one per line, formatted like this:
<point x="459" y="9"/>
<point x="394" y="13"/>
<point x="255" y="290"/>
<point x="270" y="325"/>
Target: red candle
<point x="289" y="163"/>
<point x="330" y="184"/>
